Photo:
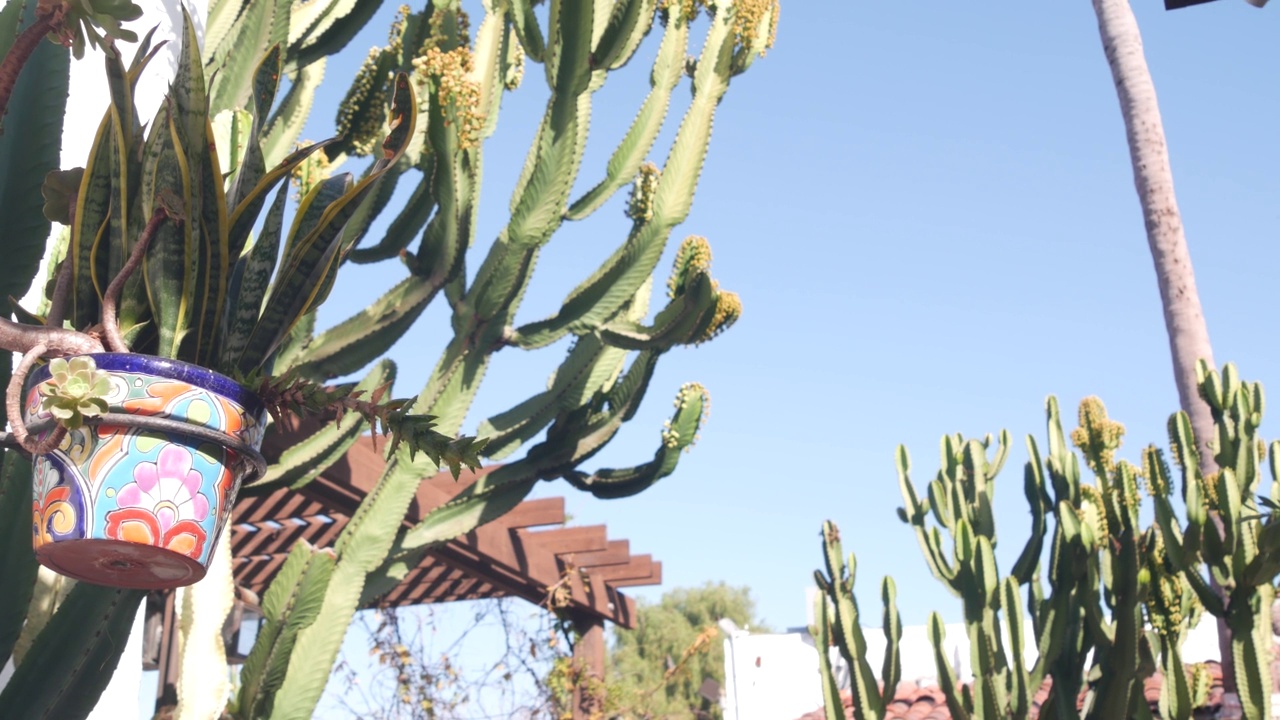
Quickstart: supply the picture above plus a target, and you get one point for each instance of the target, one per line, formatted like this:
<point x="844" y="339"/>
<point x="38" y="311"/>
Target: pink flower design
<point x="165" y="504"/>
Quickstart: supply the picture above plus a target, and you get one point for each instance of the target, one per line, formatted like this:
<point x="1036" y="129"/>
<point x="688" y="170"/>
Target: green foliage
<point x="639" y="669"/>
<point x="1121" y="597"/>
<point x="211" y="292"/>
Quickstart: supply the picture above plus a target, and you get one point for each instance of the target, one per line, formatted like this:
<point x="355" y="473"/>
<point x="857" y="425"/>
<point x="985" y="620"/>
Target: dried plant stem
<point x="111" y="298"/>
<point x="13" y="406"/>
<point x="18" y="55"/>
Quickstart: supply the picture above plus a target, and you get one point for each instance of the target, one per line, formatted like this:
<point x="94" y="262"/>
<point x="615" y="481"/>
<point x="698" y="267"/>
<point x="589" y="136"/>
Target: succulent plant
<point x="75" y="390"/>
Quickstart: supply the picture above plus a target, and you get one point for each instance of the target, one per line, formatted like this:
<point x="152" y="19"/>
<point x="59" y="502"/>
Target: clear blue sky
<point x="929" y="213"/>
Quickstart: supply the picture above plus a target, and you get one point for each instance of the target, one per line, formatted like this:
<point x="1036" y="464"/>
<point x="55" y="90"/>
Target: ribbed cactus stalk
<point x="838" y="623"/>
<point x="460" y="79"/>
<point x="258" y="285"/>
<point x="1225" y="532"/>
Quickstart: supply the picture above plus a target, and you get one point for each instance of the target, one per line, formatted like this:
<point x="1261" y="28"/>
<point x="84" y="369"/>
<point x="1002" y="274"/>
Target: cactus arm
<point x="845" y="625"/>
<point x="628" y="24"/>
<point x="304" y="460"/>
<point x="367" y="335"/>
<point x="668" y="69"/>
<point x="28" y="150"/>
<point x="1251" y="649"/>
<point x="946" y="674"/>
<point x="821" y="633"/>
<point x="525" y="23"/>
<point x="1034" y="489"/>
<point x="17" y="568"/>
<point x="333" y="32"/>
<point x="290" y="605"/>
<point x="286" y="123"/>
<point x="1011" y="603"/>
<point x="680" y="434"/>
<point x="598" y="298"/>
<point x="218" y="22"/>
<point x="364" y="543"/>
<point x="585" y="371"/>
<point x="407" y="223"/>
<point x="203" y="685"/>
<point x="891" y="670"/>
<point x="74" y="657"/>
<point x="241" y="48"/>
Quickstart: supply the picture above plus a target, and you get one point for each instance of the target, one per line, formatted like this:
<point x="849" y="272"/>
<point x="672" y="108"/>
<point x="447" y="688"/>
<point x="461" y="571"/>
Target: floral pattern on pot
<point x="155" y="501"/>
<point x="54" y="509"/>
<point x="163" y="506"/>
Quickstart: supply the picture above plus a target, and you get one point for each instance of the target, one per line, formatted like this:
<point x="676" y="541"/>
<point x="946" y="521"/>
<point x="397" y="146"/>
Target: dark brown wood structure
<point x="526" y="553"/>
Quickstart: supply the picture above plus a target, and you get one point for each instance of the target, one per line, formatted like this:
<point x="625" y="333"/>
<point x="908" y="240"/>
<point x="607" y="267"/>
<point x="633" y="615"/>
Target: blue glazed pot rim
<point x="195" y="375"/>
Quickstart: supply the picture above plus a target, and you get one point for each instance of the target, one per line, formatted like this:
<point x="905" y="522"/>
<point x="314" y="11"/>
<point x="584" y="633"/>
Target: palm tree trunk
<point x="1183" y="318"/>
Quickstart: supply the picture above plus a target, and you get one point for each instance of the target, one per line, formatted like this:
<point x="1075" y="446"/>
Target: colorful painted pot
<point x="140" y="508"/>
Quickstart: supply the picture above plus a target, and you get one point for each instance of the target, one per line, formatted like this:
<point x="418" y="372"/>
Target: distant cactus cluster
<point x="1120" y="598"/>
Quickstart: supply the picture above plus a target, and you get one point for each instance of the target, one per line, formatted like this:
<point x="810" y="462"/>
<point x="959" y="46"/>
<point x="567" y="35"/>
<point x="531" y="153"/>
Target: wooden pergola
<point x="526" y="553"/>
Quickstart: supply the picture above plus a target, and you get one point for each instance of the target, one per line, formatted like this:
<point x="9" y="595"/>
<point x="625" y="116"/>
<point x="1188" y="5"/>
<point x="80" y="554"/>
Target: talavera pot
<point x="136" y="507"/>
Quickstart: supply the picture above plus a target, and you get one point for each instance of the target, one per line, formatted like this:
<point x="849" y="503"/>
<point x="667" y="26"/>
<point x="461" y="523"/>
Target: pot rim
<point x="190" y="373"/>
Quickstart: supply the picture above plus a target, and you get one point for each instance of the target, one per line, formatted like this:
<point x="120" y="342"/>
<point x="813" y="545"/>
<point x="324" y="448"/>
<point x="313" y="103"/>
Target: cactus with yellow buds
<point x="1121" y="597"/>
<point x="1226" y="533"/>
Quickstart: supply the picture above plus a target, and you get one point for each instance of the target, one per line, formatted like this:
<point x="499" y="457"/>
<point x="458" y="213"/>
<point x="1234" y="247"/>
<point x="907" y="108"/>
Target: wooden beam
<point x="566" y="540"/>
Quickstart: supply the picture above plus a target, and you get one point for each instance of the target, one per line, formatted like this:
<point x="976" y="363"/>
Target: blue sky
<point x="928" y="210"/>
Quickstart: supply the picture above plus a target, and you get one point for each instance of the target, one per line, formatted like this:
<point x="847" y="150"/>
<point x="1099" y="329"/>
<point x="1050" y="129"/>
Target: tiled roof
<point x="916" y="702"/>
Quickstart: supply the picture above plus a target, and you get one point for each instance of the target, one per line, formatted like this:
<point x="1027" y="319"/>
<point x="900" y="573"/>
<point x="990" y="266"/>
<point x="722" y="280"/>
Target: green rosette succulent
<point x="75" y="390"/>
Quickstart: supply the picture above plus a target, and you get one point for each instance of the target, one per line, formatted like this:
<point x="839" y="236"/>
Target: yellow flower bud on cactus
<point x="728" y="310"/>
<point x="692" y="259"/>
<point x="457" y="95"/>
<point x="640" y="204"/>
<point x="748" y="16"/>
<point x="74" y="391"/>
<point x="1097" y="437"/>
<point x="363" y="112"/>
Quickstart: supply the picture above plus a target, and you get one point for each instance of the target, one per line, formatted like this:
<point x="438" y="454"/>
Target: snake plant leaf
<point x="205" y="205"/>
<point x="310" y="264"/>
<point x="246" y="212"/>
<point x="169" y="268"/>
<point x="291" y="604"/>
<point x="367" y="335"/>
<point x="29" y="149"/>
<point x="17" y="568"/>
<point x="668" y="69"/>
<point x="249" y="172"/>
<point x="74" y="657"/>
<point x="286" y="123"/>
<point x="250" y="281"/>
<point x="305" y="459"/>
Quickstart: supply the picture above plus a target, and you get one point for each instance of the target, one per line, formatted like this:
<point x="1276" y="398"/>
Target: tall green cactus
<point x="1225" y="532"/>
<point x="1120" y="598"/>
<point x="459" y="81"/>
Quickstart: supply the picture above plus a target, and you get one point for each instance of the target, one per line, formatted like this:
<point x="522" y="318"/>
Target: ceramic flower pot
<point x="134" y="507"/>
